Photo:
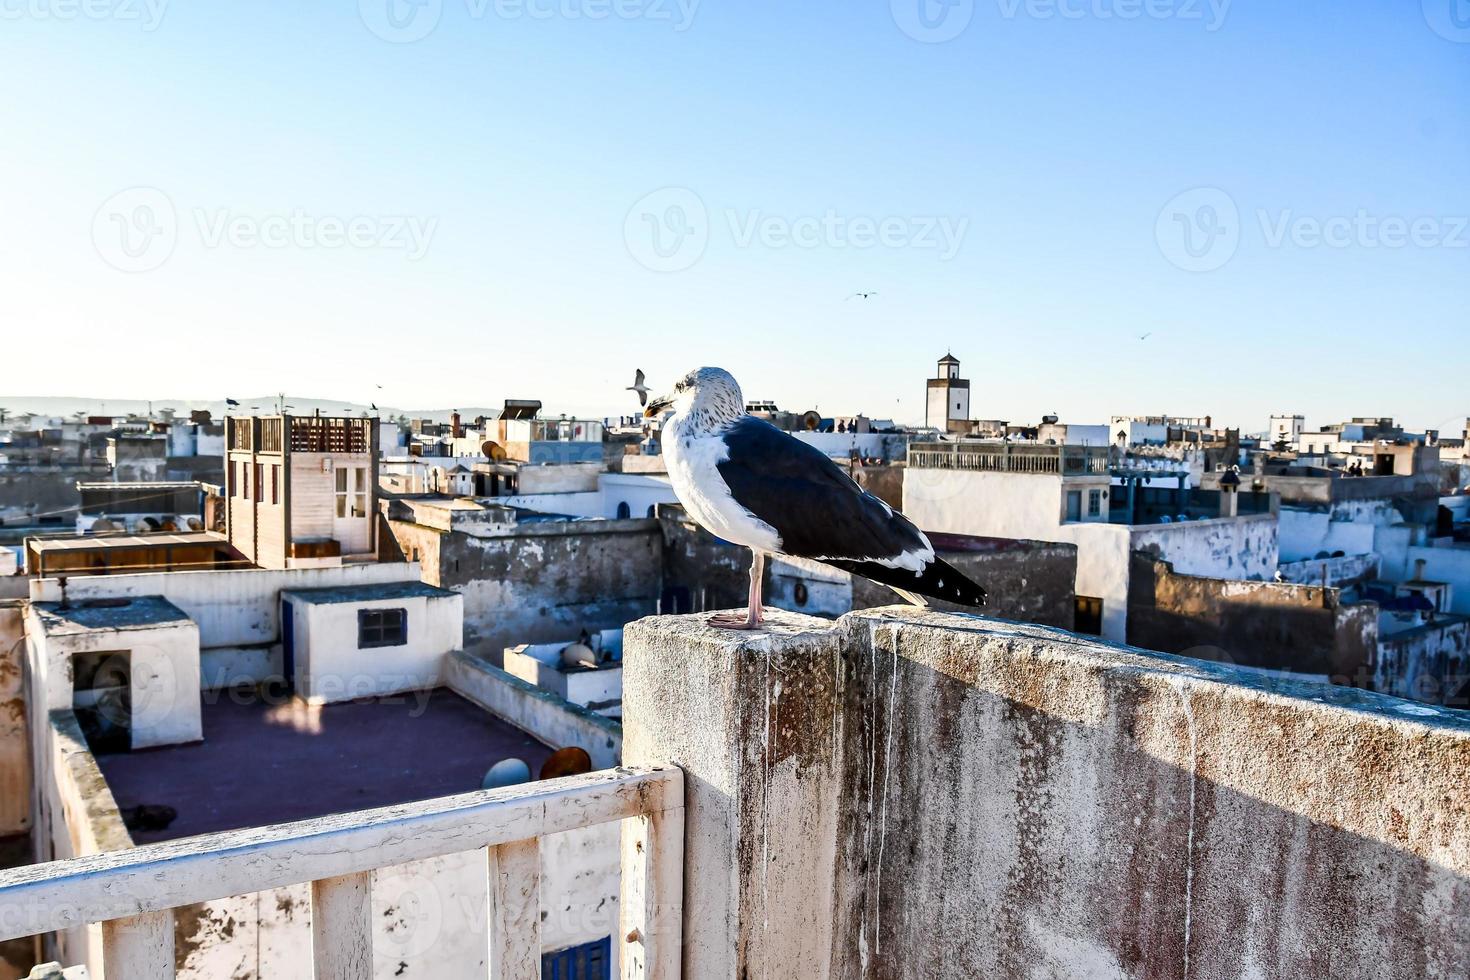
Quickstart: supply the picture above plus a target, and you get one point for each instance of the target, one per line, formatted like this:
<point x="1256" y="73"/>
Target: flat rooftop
<point x="369" y="592"/>
<point x="123" y="541"/>
<point x="138" y="612"/>
<point x="271" y="763"/>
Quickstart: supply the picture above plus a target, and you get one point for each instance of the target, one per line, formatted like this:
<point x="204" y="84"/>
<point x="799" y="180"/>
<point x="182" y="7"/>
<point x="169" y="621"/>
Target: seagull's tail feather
<point x="939" y="580"/>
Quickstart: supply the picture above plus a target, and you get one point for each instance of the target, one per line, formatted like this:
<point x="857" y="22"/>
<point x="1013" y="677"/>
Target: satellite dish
<point x="103" y="524"/>
<point x="578" y="655"/>
<point x="195" y="524"/>
<point x="506" y="772"/>
<point x="492" y="451"/>
<point x="570" y="761"/>
<point x="811" y="421"/>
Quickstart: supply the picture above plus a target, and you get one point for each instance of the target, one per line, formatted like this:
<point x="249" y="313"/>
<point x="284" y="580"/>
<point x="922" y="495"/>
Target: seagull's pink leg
<point x="752" y="618"/>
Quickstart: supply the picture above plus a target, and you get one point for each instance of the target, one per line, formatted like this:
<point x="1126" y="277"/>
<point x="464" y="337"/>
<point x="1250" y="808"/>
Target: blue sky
<point x="1017" y="193"/>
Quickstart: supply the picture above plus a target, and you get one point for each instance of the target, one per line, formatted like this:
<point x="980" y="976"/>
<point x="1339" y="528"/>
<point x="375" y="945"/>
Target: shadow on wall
<point x="1271" y="625"/>
<point x="985" y="801"/>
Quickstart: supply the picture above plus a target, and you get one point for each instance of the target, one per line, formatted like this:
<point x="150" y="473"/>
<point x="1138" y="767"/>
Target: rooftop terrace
<point x="262" y="764"/>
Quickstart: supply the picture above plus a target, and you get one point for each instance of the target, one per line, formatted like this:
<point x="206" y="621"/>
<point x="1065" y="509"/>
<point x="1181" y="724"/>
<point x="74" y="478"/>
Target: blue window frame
<point x="589" y="961"/>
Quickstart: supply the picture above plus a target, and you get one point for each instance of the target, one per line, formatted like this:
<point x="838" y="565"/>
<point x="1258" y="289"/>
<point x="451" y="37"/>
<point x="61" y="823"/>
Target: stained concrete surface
<point x="906" y="794"/>
<point x="261" y="763"/>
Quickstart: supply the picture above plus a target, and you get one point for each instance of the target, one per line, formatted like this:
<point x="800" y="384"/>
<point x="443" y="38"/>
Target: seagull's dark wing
<point x="637" y="377"/>
<point x="820" y="513"/>
<point x="816" y="508"/>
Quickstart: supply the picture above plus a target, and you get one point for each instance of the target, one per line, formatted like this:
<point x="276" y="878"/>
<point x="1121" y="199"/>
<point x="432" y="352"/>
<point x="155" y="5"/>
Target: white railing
<point x="1009" y="458"/>
<point x="134" y="892"/>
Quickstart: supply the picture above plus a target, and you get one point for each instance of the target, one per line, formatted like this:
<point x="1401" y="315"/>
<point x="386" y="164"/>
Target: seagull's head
<point x="708" y="394"/>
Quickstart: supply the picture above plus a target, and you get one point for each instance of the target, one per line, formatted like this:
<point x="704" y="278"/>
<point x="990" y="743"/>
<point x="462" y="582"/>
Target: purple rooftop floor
<point x="264" y="764"/>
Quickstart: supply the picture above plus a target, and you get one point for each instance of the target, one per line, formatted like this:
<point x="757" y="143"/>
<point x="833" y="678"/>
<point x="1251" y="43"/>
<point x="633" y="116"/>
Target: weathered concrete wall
<point x="238" y="611"/>
<point x="1331" y="572"/>
<point x="543" y="582"/>
<point x="15" y="755"/>
<point x="1430" y="664"/>
<point x="924" y="795"/>
<point x="1028" y="581"/>
<point x="26" y="492"/>
<point x="700" y="571"/>
<point x="551" y="719"/>
<point x="1298" y="628"/>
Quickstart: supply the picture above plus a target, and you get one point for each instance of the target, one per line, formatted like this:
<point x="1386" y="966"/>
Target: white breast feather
<point x="693" y="462"/>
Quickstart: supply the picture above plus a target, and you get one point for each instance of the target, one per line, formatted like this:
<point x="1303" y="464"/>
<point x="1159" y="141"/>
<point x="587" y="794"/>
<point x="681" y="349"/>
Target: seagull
<point x="863" y="295"/>
<point x="1146" y="336"/>
<point x="744" y="480"/>
<point x="232" y="403"/>
<point x="639" y="387"/>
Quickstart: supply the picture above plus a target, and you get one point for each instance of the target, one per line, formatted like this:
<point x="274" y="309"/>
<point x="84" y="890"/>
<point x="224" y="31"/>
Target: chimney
<point x="1229" y="495"/>
<point x="454" y="427"/>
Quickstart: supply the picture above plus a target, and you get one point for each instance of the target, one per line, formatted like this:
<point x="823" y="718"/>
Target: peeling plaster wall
<point x="1430" y="664"/>
<point x="15" y="756"/>
<point x="1445" y="564"/>
<point x="1279" y="626"/>
<point x="542" y="582"/>
<point x="1354" y="527"/>
<point x="922" y="795"/>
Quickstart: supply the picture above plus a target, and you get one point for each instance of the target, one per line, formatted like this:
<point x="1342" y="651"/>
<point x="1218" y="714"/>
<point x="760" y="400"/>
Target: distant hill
<point x="65" y="407"/>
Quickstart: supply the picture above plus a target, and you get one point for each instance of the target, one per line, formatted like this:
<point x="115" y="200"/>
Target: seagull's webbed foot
<point x="736" y="621"/>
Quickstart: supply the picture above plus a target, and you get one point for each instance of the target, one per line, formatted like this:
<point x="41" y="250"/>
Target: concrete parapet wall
<point x="912" y="794"/>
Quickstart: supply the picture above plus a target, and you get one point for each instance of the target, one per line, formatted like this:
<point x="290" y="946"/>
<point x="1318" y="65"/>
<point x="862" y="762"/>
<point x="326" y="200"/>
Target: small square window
<point x="382" y="628"/>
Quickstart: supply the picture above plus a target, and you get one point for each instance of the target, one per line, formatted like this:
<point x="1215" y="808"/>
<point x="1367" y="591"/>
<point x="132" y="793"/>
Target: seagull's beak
<point x="657" y="406"/>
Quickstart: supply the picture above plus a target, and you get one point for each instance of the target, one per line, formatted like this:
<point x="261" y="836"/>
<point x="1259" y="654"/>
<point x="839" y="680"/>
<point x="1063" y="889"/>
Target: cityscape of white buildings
<point x="212" y="625"/>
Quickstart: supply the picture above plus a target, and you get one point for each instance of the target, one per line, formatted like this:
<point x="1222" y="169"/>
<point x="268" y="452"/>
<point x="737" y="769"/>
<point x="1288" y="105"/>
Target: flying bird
<point x="744" y="480"/>
<point x="1146" y="336"/>
<point x="863" y="295"/>
<point x="232" y="403"/>
<point x="639" y="387"/>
